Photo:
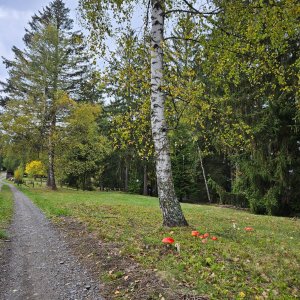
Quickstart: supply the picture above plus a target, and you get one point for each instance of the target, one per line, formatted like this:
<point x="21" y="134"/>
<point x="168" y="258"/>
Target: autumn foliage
<point x="35" y="168"/>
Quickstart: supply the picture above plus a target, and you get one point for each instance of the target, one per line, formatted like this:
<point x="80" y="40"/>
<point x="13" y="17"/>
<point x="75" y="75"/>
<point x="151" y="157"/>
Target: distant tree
<point x="22" y="136"/>
<point x="128" y="88"/>
<point x="82" y="147"/>
<point x="10" y="162"/>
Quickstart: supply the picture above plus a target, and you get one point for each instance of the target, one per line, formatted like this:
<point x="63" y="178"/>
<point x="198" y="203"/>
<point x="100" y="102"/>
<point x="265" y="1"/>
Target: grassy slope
<point x="6" y="209"/>
<point x="261" y="264"/>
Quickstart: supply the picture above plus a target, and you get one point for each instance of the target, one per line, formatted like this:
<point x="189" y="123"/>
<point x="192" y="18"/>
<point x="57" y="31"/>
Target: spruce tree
<point x="49" y="70"/>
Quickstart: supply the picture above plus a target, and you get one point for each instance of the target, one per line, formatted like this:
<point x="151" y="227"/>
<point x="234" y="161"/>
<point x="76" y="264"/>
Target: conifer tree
<point x="48" y="71"/>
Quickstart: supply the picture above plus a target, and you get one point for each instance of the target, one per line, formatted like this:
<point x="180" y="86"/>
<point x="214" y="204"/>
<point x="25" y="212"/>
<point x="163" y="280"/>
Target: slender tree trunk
<point x="169" y="204"/>
<point x="51" y="144"/>
<point x="126" y="176"/>
<point x="51" y="175"/>
<point x="51" y="154"/>
<point x="145" y="189"/>
<point x="204" y="175"/>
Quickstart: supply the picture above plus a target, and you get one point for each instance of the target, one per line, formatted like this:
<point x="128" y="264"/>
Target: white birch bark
<point x="169" y="204"/>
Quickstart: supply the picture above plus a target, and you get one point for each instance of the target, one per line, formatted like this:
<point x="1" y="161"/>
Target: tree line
<point x="201" y="105"/>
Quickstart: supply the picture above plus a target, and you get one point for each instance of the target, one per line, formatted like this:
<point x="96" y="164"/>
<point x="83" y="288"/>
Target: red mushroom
<point x="214" y="238"/>
<point x="249" y="229"/>
<point x="206" y="235"/>
<point x="168" y="240"/>
<point x="195" y="233"/>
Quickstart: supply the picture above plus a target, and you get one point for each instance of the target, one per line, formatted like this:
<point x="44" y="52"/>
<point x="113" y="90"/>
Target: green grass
<point x="263" y="264"/>
<point x="6" y="210"/>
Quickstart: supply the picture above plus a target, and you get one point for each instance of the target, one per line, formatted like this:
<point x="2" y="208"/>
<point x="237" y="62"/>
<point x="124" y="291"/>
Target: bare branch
<point x="147" y="13"/>
<point x="182" y="38"/>
<point x="214" y="12"/>
<point x="193" y="12"/>
<point x="191" y="6"/>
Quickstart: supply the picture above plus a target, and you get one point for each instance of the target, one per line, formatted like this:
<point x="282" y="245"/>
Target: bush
<point x="134" y="185"/>
<point x="271" y="201"/>
<point x="18" y="175"/>
<point x="257" y="205"/>
<point x="35" y="168"/>
<point x="238" y="200"/>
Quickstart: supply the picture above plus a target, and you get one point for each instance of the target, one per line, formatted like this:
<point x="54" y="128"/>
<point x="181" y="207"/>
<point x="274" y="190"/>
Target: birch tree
<point x="172" y="213"/>
<point x="99" y="16"/>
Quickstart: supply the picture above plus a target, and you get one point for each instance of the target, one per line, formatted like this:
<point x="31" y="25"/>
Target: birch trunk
<point x="169" y="204"/>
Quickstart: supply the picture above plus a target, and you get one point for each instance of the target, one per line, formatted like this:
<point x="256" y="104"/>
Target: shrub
<point x="18" y="175"/>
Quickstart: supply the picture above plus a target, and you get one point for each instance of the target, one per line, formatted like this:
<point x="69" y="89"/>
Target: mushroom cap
<point x="249" y="229"/>
<point x="214" y="238"/>
<point x="206" y="235"/>
<point x="168" y="240"/>
<point x="195" y="233"/>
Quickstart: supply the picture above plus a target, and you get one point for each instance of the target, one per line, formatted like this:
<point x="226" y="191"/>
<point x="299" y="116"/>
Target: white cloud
<point x="9" y="14"/>
<point x="12" y="24"/>
<point x="14" y="18"/>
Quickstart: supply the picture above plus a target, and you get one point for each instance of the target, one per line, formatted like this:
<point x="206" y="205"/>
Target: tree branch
<point x="199" y="42"/>
<point x="214" y="12"/>
<point x="181" y="38"/>
<point x="193" y="12"/>
<point x="191" y="6"/>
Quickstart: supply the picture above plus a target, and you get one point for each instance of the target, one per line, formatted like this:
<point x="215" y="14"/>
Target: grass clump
<point x="6" y="210"/>
<point x="261" y="262"/>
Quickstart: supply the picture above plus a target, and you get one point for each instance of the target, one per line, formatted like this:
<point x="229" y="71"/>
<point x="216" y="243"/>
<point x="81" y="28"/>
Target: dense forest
<point x="209" y="89"/>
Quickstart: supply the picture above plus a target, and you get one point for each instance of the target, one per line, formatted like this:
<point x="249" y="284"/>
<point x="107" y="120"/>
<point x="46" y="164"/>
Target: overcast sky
<point x="14" y="17"/>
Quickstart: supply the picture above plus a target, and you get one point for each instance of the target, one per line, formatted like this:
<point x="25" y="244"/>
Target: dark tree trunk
<point x="51" y="154"/>
<point x="51" y="175"/>
<point x="145" y="189"/>
<point x="126" y="177"/>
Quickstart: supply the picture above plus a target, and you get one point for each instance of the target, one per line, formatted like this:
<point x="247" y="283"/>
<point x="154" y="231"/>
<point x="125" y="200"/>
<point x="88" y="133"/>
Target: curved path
<point x="37" y="263"/>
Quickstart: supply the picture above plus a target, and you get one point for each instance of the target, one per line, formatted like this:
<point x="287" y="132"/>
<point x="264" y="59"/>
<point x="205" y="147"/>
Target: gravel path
<point x="37" y="263"/>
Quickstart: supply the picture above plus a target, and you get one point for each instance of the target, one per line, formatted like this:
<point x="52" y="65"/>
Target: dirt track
<point x="37" y="263"/>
